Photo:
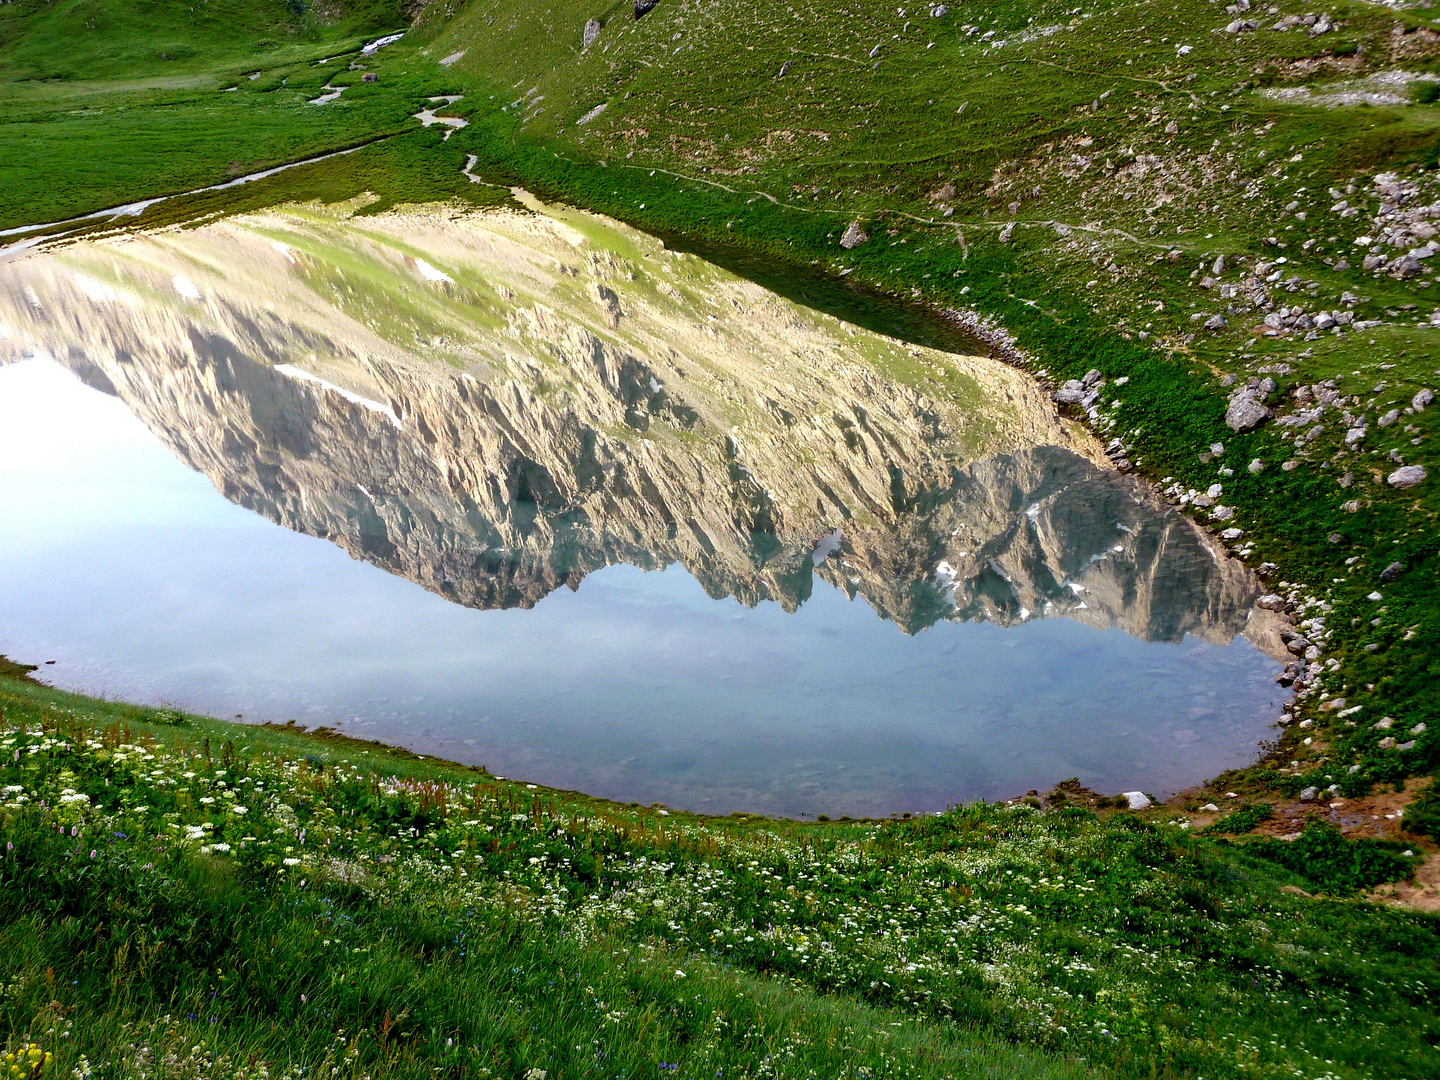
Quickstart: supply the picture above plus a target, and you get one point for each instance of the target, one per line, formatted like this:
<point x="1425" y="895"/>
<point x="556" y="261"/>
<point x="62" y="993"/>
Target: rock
<point x="1355" y="435"/>
<point x="939" y="11"/>
<point x="592" y="31"/>
<point x="1309" y="794"/>
<point x="785" y="67"/>
<point x="369" y="76"/>
<point x="1209" y="808"/>
<point x="1372" y="262"/>
<point x="1406" y="267"/>
<point x="1223" y="513"/>
<point x="1405" y="745"/>
<point x="1289" y="466"/>
<point x="1007" y="232"/>
<point x="1256" y="466"/>
<point x="1216" y="322"/>
<point x="644" y="7"/>
<point x="1351" y="507"/>
<point x="1218" y="267"/>
<point x="1385" y="723"/>
<point x="1232" y="534"/>
<point x="1245" y="413"/>
<point x="1389" y="418"/>
<point x="1072" y="393"/>
<point x="1092" y="377"/>
<point x="1422" y="399"/>
<point x="1407" y="476"/>
<point x="854" y="236"/>
<point x="1136" y="799"/>
<point x="1265" y="569"/>
<point x="1391" y="572"/>
<point x="1271" y="602"/>
<point x="1387" y="742"/>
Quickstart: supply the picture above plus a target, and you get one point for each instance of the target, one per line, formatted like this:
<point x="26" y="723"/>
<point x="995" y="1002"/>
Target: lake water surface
<point x="529" y="491"/>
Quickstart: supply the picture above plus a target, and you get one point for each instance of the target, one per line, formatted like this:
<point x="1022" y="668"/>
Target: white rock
<point x="1407" y="476"/>
<point x="1137" y="800"/>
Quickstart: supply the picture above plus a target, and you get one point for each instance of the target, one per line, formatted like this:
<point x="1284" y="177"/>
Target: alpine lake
<point x="528" y="489"/>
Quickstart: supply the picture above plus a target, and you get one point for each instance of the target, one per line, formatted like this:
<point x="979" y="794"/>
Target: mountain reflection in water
<point x="497" y="404"/>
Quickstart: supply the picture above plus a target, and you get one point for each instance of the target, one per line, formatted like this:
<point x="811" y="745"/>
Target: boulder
<point x="644" y="7"/>
<point x="1406" y="267"/>
<point x="1072" y="393"/>
<point x="1246" y="413"/>
<point x="1136" y="799"/>
<point x="1389" y="418"/>
<point x="854" y="236"/>
<point x="1271" y="602"/>
<point x="1391" y="572"/>
<point x="592" y="31"/>
<point x="1422" y="399"/>
<point x="1309" y="794"/>
<point x="1407" y="476"/>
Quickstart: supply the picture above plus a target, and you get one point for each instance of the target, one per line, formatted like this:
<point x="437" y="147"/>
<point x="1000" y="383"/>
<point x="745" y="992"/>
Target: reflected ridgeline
<point x="494" y="404"/>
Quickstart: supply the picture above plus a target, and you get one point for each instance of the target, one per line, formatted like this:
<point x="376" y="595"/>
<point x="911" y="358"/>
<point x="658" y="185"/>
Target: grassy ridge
<point x="182" y="887"/>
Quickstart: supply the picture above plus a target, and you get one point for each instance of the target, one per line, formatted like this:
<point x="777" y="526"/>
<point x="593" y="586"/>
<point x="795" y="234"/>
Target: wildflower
<point x="292" y="862"/>
<point x="535" y="1074"/>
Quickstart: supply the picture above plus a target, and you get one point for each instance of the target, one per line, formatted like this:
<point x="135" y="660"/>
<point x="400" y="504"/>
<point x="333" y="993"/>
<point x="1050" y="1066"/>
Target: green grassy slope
<point x="180" y="890"/>
<point x="105" y="102"/>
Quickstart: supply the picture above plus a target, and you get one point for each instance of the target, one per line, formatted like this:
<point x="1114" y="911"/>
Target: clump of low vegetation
<point x="1243" y="820"/>
<point x="1338" y="866"/>
<point x="248" y="898"/>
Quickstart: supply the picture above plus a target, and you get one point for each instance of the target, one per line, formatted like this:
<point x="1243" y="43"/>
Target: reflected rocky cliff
<point x="494" y="404"/>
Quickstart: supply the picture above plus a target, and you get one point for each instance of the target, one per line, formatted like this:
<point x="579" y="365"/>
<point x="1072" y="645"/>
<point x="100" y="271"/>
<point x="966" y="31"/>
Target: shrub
<point x="1426" y="93"/>
<point x="1242" y="820"/>
<point x="1333" y="864"/>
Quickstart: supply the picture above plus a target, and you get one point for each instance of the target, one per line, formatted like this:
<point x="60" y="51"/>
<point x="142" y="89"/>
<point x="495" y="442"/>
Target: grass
<point x="102" y="102"/>
<point x="181" y="890"/>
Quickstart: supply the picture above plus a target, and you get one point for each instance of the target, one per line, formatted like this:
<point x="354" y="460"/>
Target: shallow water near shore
<point x="527" y="490"/>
